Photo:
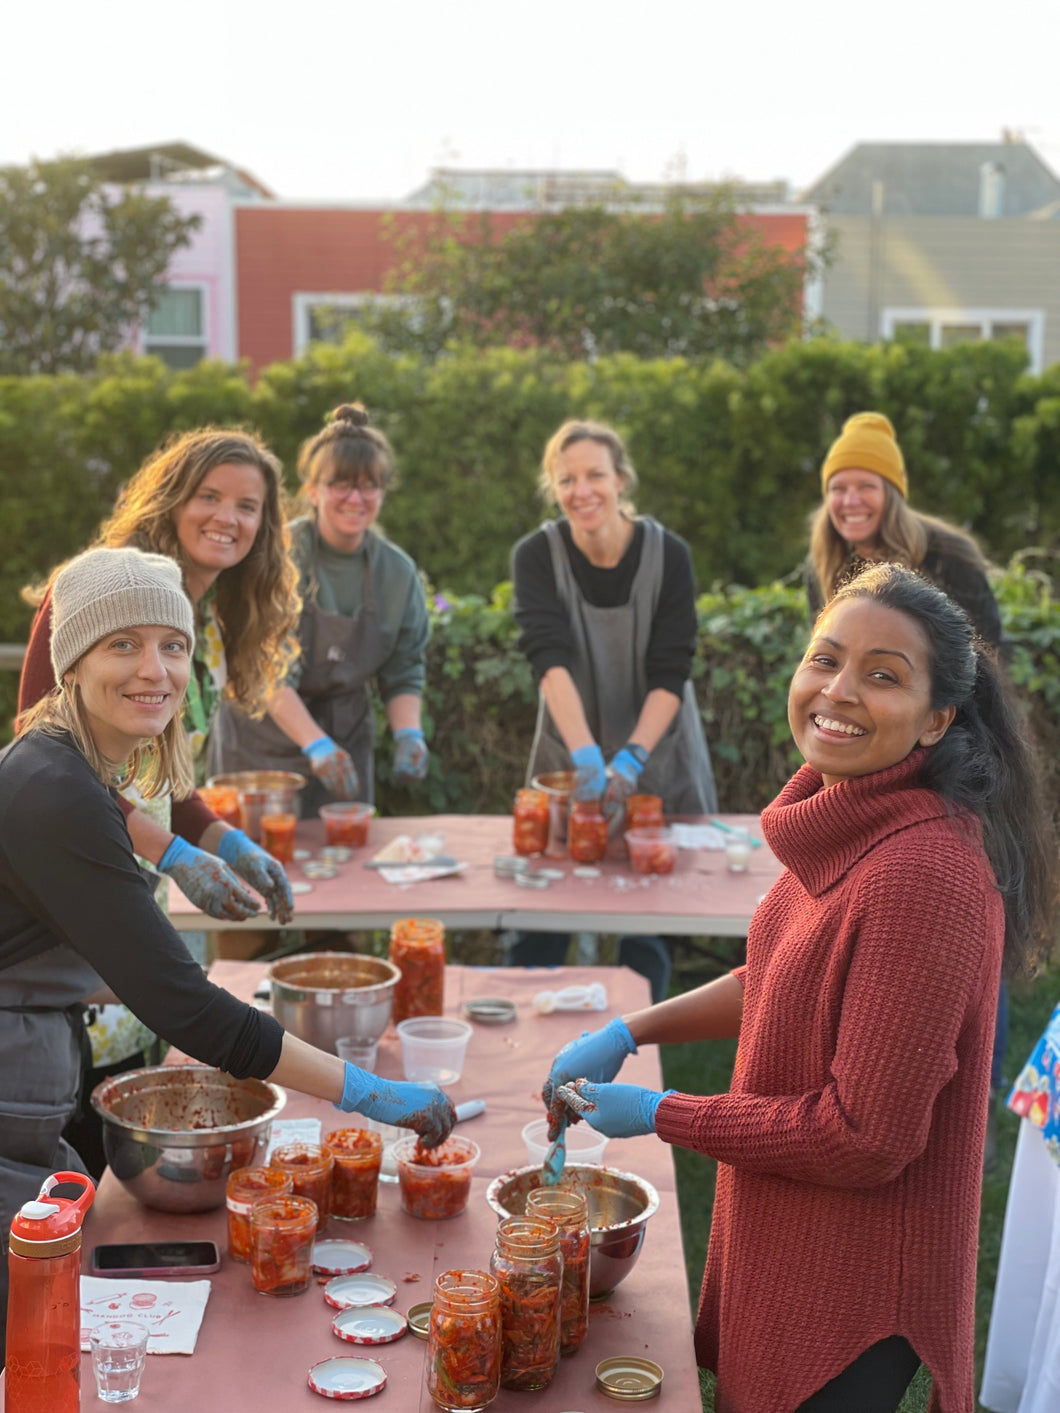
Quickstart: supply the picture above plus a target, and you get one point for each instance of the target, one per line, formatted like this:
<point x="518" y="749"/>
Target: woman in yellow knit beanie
<point x="865" y="518"/>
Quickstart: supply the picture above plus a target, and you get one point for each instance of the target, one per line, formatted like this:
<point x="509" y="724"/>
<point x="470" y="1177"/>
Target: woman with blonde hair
<point x="212" y="500"/>
<point x="364" y="621"/>
<point x="77" y="917"/>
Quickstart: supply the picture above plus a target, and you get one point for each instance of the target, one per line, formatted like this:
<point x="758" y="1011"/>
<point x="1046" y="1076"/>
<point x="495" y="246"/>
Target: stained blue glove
<point x="260" y="870"/>
<point x="624" y="774"/>
<point x="333" y="767"/>
<point x="423" y="1107"/>
<point x="410" y="755"/>
<point x="619" y="1110"/>
<point x="207" y="882"/>
<point x="590" y="773"/>
<point x="597" y="1056"/>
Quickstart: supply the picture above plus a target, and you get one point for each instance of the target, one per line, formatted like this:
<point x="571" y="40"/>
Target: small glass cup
<point x="738" y="851"/>
<point x="358" y="1050"/>
<point x="119" y="1350"/>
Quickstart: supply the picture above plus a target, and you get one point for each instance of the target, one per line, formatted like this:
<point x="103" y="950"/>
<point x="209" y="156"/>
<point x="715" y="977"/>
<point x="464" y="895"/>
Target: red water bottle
<point x="44" y="1302"/>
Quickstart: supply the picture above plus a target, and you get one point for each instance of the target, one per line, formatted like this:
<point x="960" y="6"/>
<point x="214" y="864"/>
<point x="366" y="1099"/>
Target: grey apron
<point x="339" y="656"/>
<point x="42" y="1044"/>
<point x="611" y="647"/>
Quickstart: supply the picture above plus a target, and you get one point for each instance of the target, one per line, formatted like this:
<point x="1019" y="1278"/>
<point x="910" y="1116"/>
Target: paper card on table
<point x="292" y="1131"/>
<point x="171" y="1310"/>
<point x="419" y="873"/>
<point x="697" y="836"/>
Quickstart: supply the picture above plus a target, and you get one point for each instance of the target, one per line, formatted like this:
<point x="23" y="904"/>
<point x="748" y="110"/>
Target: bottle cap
<point x="35" y="1211"/>
<point x="51" y="1226"/>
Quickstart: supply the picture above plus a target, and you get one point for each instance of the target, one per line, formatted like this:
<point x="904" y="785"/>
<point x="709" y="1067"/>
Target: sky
<point x="324" y="100"/>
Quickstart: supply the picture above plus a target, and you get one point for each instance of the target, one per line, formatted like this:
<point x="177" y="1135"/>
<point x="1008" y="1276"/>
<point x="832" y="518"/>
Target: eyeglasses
<point x="342" y="490"/>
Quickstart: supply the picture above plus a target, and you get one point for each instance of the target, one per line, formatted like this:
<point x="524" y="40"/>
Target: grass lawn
<point x="705" y="1068"/>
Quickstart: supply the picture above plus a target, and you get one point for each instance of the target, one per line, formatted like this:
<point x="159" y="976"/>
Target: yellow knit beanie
<point x="867" y="443"/>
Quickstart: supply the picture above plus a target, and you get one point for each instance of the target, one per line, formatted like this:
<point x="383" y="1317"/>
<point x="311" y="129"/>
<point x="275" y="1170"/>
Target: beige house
<point x="945" y="243"/>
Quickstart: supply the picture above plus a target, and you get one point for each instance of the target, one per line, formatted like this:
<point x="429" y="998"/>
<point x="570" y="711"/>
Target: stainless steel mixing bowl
<point x="173" y="1133"/>
<point x="320" y="996"/>
<point x="619" y="1207"/>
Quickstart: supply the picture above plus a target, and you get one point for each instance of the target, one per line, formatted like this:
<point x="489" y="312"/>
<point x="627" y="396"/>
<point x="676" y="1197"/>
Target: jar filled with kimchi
<point x="569" y="1210"/>
<point x="530" y="822"/>
<point x="357" y="1155"/>
<point x="644" y="812"/>
<point x="529" y="1270"/>
<point x="244" y="1187"/>
<point x="309" y="1167"/>
<point x="282" y="1232"/>
<point x="464" y="1341"/>
<point x="587" y="832"/>
<point x="417" y="947"/>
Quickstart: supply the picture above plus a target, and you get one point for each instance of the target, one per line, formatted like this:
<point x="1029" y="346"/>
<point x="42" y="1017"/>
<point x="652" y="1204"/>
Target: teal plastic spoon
<point x="552" y="1167"/>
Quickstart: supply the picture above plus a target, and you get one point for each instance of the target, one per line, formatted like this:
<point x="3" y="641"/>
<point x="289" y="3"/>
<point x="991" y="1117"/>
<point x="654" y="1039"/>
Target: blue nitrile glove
<point x="623" y="776"/>
<point x="423" y="1107"/>
<point x="260" y="870"/>
<point x="596" y="1055"/>
<point x="619" y="1110"/>
<point x="207" y="882"/>
<point x="590" y="772"/>
<point x="333" y="767"/>
<point x="410" y="755"/>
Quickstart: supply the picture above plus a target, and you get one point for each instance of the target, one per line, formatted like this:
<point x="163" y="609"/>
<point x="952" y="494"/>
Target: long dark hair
<point x="984" y="763"/>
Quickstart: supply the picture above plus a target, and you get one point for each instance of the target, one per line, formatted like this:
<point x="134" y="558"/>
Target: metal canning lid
<point x="333" y="1257"/>
<point x="369" y="1324"/>
<point x="508" y="867"/>
<point x="552" y="874"/>
<point x="628" y="1379"/>
<point x="531" y="880"/>
<point x="335" y="853"/>
<point x="345" y="1377"/>
<point x="298" y="888"/>
<point x="490" y="1010"/>
<point x="363" y="1288"/>
<point x="319" y="868"/>
<point x="419" y="1318"/>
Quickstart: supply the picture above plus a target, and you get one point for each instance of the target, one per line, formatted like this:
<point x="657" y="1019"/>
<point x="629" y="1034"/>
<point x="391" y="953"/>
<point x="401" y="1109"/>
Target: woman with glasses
<point x="364" y="616"/>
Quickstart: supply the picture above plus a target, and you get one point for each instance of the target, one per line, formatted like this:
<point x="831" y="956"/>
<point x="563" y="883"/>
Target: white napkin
<point x="292" y="1131"/>
<point x="171" y="1310"/>
<point x="418" y="873"/>
<point x="697" y="836"/>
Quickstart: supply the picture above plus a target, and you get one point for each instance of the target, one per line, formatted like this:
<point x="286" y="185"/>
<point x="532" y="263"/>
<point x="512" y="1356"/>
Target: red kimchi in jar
<point x="435" y="1183"/>
<point x="587" y="833"/>
<point x="282" y="1232"/>
<point x="309" y="1167"/>
<point x="530" y="822"/>
<point x="357" y="1155"/>
<point x="417" y="947"/>
<point x="569" y="1209"/>
<point x="529" y="1270"/>
<point x="464" y="1341"/>
<point x="244" y="1188"/>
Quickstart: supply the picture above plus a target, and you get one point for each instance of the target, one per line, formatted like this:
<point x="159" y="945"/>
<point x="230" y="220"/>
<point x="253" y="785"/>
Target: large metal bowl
<point x="619" y="1207"/>
<point x="320" y="996"/>
<point x="261" y="790"/>
<point x="557" y="785"/>
<point x="173" y="1133"/>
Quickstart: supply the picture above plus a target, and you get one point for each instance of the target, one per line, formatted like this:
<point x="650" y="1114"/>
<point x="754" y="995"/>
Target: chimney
<point x="991" y="191"/>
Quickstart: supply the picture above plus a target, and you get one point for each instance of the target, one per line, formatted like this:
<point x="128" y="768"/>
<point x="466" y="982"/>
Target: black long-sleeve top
<point x="545" y="633"/>
<point x="67" y="874"/>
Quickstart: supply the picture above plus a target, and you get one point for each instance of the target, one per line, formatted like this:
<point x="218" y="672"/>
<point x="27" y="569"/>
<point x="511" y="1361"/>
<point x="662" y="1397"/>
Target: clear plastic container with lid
<point x="569" y="1209"/>
<point x="309" y="1166"/>
<point x="464" y="1341"/>
<point x="529" y="1269"/>
<point x="417" y="946"/>
<point x="245" y="1187"/>
<point x="282" y="1232"/>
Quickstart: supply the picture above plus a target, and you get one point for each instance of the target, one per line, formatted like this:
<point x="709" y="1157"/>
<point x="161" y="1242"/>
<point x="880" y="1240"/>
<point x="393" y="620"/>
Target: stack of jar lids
<point x="628" y="1379"/>
<point x="490" y="1010"/>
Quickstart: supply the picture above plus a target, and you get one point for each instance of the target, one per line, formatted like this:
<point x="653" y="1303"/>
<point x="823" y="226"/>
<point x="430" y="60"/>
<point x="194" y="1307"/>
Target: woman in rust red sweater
<point x="843" y="1241"/>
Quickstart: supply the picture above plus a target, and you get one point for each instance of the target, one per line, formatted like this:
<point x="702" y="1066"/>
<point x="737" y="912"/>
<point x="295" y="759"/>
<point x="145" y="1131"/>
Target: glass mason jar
<point x="357" y="1154"/>
<point x="529" y="1270"/>
<point x="644" y="812"/>
<point x="244" y="1187"/>
<point x="586" y="832"/>
<point x="309" y="1166"/>
<point x="530" y="822"/>
<point x="464" y="1341"/>
<point x="570" y="1212"/>
<point x="417" y="946"/>
<point x="282" y="1232"/>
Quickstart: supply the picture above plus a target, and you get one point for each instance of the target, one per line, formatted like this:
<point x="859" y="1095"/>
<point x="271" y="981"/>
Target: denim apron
<point x="611" y="648"/>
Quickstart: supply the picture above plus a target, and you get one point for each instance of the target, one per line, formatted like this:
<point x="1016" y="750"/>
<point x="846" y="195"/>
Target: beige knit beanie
<point x="105" y="590"/>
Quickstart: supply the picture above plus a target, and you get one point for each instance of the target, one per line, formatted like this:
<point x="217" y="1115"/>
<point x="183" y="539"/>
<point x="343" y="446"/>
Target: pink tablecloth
<point x="254" y="1351"/>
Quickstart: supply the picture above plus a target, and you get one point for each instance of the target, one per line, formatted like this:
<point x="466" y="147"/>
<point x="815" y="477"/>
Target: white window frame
<point x="303" y="302"/>
<point x="182" y="340"/>
<point x="984" y="317"/>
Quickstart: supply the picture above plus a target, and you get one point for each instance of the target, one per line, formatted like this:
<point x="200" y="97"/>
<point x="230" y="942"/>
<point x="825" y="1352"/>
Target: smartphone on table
<point x="156" y="1258"/>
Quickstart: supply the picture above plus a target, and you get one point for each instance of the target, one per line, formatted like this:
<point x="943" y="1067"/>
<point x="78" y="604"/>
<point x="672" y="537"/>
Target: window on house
<point x="176" y="327"/>
<point x="330" y="318"/>
<point x="947" y="328"/>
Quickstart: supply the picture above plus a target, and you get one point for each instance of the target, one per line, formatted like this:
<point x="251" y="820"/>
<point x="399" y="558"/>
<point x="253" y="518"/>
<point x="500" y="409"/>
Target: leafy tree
<point x="693" y="279"/>
<point x="78" y="265"/>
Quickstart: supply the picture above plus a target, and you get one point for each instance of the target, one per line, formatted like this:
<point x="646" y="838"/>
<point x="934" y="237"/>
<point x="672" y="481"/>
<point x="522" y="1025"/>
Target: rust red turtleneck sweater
<point x="850" y="1144"/>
